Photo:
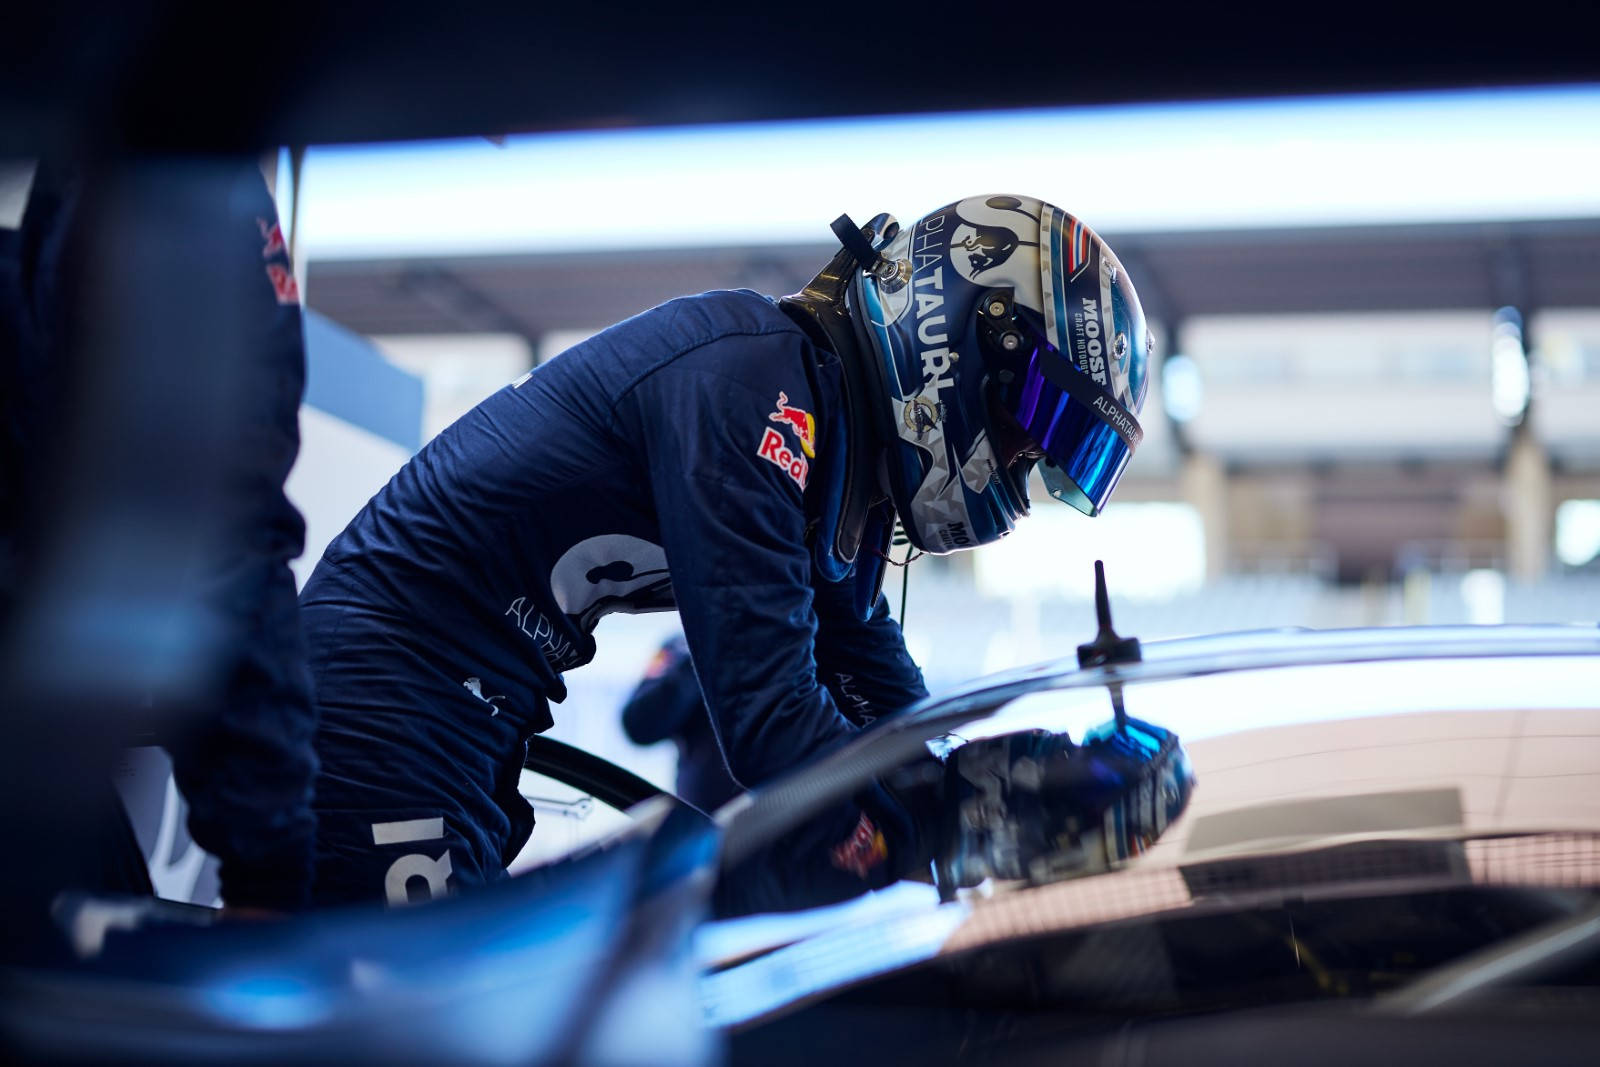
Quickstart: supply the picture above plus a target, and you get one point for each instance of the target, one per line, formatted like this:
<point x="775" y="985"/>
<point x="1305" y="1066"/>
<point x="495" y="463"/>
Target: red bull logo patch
<point x="279" y="274"/>
<point x="272" y="238"/>
<point x="774" y="451"/>
<point x="863" y="850"/>
<point x="659" y="665"/>
<point x="283" y="284"/>
<point x="801" y="422"/>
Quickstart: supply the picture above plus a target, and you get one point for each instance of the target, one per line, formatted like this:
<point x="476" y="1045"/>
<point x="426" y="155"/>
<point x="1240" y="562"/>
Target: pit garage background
<point x="1378" y="323"/>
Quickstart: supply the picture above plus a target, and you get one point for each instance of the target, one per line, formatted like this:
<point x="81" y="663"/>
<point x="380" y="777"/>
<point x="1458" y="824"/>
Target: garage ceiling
<point x="183" y="74"/>
<point x="1391" y="268"/>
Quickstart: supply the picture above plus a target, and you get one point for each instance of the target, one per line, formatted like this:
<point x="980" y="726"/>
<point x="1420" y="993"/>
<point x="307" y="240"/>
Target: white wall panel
<point x="1566" y="414"/>
<point x="1292" y="387"/>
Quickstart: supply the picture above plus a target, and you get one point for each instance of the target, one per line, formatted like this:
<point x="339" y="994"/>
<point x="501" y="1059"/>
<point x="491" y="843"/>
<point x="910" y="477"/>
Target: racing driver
<point x="744" y="460"/>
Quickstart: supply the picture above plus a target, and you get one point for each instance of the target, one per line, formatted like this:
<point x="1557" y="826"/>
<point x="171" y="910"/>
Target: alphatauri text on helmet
<point x="927" y="251"/>
<point x="1118" y="418"/>
<point x="932" y="331"/>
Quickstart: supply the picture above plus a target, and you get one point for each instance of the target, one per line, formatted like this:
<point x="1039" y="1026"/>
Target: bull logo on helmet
<point x="985" y="246"/>
<point x="987" y="234"/>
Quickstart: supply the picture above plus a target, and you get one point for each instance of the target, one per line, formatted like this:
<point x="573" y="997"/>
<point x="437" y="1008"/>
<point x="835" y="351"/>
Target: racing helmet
<point x="1004" y="334"/>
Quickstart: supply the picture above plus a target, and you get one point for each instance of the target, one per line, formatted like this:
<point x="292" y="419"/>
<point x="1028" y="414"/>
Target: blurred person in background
<point x="242" y="758"/>
<point x="744" y="460"/>
<point x="667" y="705"/>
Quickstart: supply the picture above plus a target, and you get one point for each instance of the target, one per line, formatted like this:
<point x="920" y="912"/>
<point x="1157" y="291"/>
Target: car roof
<point x="1267" y="649"/>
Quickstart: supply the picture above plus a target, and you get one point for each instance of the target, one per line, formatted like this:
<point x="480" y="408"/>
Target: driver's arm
<point x="732" y="523"/>
<point x="863" y="662"/>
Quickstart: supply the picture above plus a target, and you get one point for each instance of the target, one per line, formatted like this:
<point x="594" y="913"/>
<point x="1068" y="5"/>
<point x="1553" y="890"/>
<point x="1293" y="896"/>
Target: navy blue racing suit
<point x="678" y="459"/>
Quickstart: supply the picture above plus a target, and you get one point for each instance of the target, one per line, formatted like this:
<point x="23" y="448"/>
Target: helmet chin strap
<point x="821" y="309"/>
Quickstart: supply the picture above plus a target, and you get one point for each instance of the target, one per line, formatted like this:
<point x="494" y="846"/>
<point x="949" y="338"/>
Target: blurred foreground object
<point x="156" y="352"/>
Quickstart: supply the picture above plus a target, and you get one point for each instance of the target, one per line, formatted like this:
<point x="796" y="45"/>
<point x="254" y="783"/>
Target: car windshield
<point x="1467" y="771"/>
<point x="1214" y="705"/>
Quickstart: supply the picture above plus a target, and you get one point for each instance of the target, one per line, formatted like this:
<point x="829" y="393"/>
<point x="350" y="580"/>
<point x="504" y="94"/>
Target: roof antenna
<point x="1108" y="649"/>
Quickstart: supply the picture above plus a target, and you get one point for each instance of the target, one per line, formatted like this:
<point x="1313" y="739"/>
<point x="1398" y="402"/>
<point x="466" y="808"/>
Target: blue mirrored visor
<point x="1084" y="435"/>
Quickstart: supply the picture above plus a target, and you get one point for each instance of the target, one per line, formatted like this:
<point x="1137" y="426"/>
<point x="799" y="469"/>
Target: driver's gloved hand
<point x="1034" y="806"/>
<point x="908" y="804"/>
